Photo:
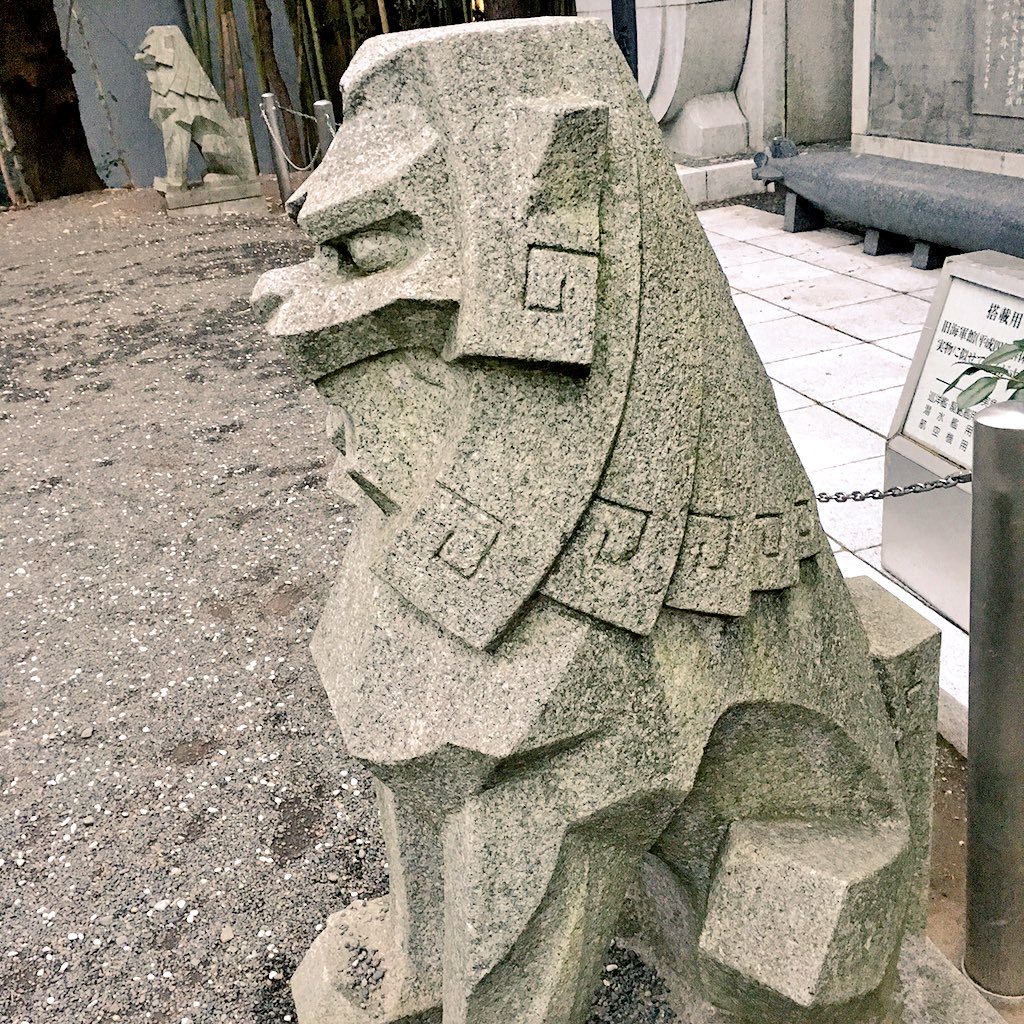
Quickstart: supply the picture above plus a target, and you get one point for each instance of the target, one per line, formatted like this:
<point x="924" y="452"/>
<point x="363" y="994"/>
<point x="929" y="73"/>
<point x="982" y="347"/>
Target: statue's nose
<point x="272" y="290"/>
<point x="293" y="205"/>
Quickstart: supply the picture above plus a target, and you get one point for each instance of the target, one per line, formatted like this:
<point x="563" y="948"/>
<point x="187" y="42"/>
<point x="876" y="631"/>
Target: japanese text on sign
<point x="974" y="322"/>
<point x="999" y="58"/>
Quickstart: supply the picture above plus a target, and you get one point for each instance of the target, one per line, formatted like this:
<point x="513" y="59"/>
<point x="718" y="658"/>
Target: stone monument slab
<point x="998" y="58"/>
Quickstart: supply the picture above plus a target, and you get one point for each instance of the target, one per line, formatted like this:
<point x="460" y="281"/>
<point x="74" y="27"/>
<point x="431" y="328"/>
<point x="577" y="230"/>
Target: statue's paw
<point x="804" y="922"/>
<point x="354" y="973"/>
<point x="213" y="178"/>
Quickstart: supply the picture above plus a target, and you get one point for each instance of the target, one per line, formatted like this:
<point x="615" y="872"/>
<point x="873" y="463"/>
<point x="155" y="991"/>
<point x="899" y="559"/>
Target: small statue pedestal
<point x="218" y="193"/>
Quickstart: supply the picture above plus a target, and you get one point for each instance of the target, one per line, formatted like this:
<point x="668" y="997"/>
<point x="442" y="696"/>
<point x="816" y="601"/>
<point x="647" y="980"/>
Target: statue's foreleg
<point x="177" y="142"/>
<point x="531" y="904"/>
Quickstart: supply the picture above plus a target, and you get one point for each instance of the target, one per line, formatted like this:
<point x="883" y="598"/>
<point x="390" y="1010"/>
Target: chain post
<point x="994" y="957"/>
<point x="323" y="111"/>
<point x="275" y="129"/>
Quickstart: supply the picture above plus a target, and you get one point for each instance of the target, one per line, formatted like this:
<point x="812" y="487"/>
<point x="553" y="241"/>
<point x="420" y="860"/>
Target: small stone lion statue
<point x="186" y="108"/>
<point x="588" y="634"/>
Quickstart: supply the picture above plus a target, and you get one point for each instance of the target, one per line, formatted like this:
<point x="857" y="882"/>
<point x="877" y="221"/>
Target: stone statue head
<point x="171" y="66"/>
<point x="506" y="325"/>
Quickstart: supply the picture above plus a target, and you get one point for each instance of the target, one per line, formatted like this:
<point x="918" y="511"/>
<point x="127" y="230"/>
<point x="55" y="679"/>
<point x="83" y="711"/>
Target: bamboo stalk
<point x="7" y="141"/>
<point x="305" y="77"/>
<point x="257" y="47"/>
<point x="235" y="85"/>
<point x="262" y="32"/>
<point x="353" y="34"/>
<point x="12" y="192"/>
<point x="199" y="27"/>
<point x="315" y="33"/>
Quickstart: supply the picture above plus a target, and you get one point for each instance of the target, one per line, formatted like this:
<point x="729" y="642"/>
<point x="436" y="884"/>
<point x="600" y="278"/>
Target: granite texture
<point x="587" y="628"/>
<point x="186" y="108"/>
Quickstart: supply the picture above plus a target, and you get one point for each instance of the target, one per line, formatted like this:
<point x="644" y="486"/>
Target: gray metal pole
<point x="624" y="31"/>
<point x="275" y="128"/>
<point x="994" y="958"/>
<point x="323" y="111"/>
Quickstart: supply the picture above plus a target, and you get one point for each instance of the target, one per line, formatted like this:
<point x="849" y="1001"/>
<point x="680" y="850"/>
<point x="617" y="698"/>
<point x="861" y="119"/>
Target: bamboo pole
<point x="353" y="34"/>
<point x="262" y="32"/>
<point x="199" y="27"/>
<point x="315" y="33"/>
<point x="8" y="144"/>
<point x="12" y="192"/>
<point x="257" y="47"/>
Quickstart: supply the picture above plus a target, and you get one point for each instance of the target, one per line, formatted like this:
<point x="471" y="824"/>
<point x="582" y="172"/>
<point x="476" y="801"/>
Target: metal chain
<point x="897" y="492"/>
<point x="276" y="140"/>
<point x="297" y="113"/>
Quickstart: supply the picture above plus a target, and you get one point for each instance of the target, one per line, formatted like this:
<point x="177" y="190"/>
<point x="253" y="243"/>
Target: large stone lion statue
<point x="588" y="635"/>
<point x="186" y="108"/>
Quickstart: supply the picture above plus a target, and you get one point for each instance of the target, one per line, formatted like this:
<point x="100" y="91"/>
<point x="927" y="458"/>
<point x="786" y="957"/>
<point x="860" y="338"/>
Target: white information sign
<point x="974" y="322"/>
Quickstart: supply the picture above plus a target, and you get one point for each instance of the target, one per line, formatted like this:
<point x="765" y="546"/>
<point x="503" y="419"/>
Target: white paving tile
<point x="740" y="222"/>
<point x="874" y="411"/>
<point x="751" y="277"/>
<point x="795" y="336"/>
<point x="825" y="292"/>
<point x="900" y="278"/>
<point x="853" y="476"/>
<point x="927" y="294"/>
<point x="873" y="556"/>
<point x="735" y="254"/>
<point x="842" y="373"/>
<point x="798" y="243"/>
<point x="903" y="344"/>
<point x="850" y="259"/>
<point x="788" y="399"/>
<point x="716" y="239"/>
<point x="757" y="311"/>
<point x="876" y="318"/>
<point x="823" y="438"/>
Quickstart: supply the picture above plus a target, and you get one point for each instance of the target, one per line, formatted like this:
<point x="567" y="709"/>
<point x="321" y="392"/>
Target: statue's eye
<point x="372" y="251"/>
<point x="382" y="245"/>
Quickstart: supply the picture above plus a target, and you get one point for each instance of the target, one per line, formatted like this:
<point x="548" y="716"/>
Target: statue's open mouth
<point x="387" y="418"/>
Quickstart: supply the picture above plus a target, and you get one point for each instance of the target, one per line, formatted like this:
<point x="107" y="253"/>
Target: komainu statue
<point x="588" y="636"/>
<point x="186" y="108"/>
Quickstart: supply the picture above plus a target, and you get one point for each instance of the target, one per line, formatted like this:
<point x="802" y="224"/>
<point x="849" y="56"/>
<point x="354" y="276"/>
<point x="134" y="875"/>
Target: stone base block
<point x="935" y="992"/>
<point x="929" y="256"/>
<point x="335" y="984"/>
<point x="801" y="215"/>
<point x="884" y="243"/>
<point x="217" y="192"/>
<point x="708" y="126"/>
<point x="250" y="206"/>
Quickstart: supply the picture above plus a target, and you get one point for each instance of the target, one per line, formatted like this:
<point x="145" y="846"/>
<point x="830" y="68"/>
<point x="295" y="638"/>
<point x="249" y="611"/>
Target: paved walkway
<point x="836" y="330"/>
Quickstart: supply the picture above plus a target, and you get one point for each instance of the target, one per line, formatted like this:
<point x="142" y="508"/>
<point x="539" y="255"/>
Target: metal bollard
<point x="624" y="31"/>
<point x="275" y="128"/>
<point x="994" y="957"/>
<point x="323" y="111"/>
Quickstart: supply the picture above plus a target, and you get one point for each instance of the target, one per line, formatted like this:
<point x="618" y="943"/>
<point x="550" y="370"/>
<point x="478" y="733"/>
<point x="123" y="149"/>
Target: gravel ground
<point x="179" y="814"/>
